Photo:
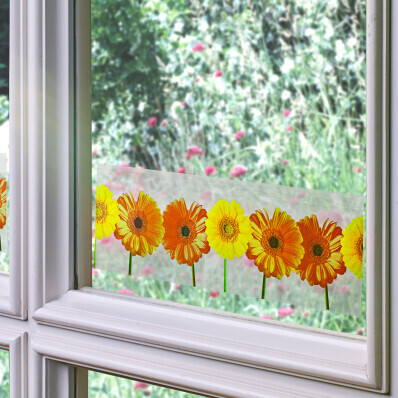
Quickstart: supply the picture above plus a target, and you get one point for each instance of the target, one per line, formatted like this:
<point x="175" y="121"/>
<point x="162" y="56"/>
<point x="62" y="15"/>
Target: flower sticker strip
<point x="4" y="207"/>
<point x="282" y="244"/>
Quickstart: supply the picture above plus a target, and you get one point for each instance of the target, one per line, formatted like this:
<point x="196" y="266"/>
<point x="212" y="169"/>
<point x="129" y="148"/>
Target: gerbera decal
<point x="106" y="216"/>
<point x="140" y="227"/>
<point x="3" y="204"/>
<point x="276" y="245"/>
<point x="352" y="246"/>
<point x="322" y="260"/>
<point x="184" y="238"/>
<point x="228" y="231"/>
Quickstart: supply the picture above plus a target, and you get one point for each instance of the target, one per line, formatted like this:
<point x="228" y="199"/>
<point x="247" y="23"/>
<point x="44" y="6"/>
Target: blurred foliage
<point x="4" y="373"/>
<point x="305" y="56"/>
<point x="106" y="386"/>
<point x="4" y="45"/>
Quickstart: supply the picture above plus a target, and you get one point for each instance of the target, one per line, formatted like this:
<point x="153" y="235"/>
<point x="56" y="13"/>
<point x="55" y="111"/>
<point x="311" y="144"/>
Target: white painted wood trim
<point x="13" y="300"/>
<point x="177" y="370"/>
<point x="15" y="341"/>
<point x="241" y="340"/>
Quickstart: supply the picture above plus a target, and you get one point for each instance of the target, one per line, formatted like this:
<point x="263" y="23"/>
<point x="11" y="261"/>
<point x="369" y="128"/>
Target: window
<point x="236" y="92"/>
<point x="73" y="328"/>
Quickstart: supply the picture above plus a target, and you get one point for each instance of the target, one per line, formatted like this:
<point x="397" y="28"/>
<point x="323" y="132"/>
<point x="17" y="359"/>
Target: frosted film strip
<point x="243" y="277"/>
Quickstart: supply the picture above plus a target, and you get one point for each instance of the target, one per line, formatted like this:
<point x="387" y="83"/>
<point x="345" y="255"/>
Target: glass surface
<point x="101" y="385"/>
<point x="255" y="91"/>
<point x="4" y="373"/>
<point x="4" y="131"/>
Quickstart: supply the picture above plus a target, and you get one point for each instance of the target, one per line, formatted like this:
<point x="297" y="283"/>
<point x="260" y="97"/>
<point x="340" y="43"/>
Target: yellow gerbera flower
<point x="352" y="246"/>
<point x="228" y="229"/>
<point x="106" y="213"/>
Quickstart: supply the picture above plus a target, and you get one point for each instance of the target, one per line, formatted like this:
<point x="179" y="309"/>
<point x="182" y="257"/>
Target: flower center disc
<point x="100" y="211"/>
<point x="138" y="223"/>
<point x="185" y="231"/>
<point x="228" y="229"/>
<point x="317" y="250"/>
<point x="273" y="242"/>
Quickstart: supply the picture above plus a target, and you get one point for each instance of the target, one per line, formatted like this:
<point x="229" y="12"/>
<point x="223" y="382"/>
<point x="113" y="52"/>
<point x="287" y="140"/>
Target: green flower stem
<point x="95" y="252"/>
<point x="327" y="298"/>
<point x="225" y="275"/>
<point x="263" y="289"/>
<point x="130" y="263"/>
<point x="193" y="276"/>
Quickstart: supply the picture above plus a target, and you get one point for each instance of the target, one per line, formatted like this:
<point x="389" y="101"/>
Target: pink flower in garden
<point x="183" y="105"/>
<point x="127" y="291"/>
<point x="139" y="384"/>
<point x="239" y="134"/>
<point x="94" y="271"/>
<point x="248" y="262"/>
<point x="94" y="153"/>
<point x="164" y="123"/>
<point x="152" y="121"/>
<point x="214" y="293"/>
<point x="175" y="286"/>
<point x="238" y="170"/>
<point x="281" y="287"/>
<point x="147" y="270"/>
<point x="357" y="170"/>
<point x="209" y="170"/>
<point x="193" y="150"/>
<point x="197" y="80"/>
<point x="285" y="162"/>
<point x="306" y="314"/>
<point x="198" y="47"/>
<point x="343" y="289"/>
<point x="319" y="289"/>
<point x="92" y="189"/>
<point x="360" y="331"/>
<point x="286" y="113"/>
<point x="265" y="316"/>
<point x="332" y="215"/>
<point x="205" y="196"/>
<point x="289" y="129"/>
<point x="133" y="148"/>
<point x="181" y="170"/>
<point x="285" y="311"/>
<point x="218" y="73"/>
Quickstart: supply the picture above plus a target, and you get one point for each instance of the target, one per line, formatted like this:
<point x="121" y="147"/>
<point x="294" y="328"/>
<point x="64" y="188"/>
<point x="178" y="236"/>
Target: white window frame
<point x="193" y="349"/>
<point x="13" y="285"/>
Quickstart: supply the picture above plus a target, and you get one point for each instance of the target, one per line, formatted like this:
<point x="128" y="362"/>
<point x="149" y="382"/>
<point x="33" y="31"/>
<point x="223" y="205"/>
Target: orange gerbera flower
<point x="140" y="227"/>
<point x="276" y="246"/>
<point x="3" y="202"/>
<point x="185" y="239"/>
<point x="322" y="260"/>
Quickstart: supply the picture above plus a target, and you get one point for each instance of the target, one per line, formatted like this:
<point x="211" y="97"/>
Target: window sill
<point x="332" y="357"/>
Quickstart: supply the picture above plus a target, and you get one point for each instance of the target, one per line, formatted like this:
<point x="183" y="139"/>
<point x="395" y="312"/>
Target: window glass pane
<point x="246" y="91"/>
<point x="103" y="386"/>
<point x="4" y="373"/>
<point x="4" y="131"/>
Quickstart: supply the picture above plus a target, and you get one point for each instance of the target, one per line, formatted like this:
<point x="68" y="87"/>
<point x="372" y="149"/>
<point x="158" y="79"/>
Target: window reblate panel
<point x="4" y="373"/>
<point x="104" y="386"/>
<point x="4" y="132"/>
<point x="249" y="92"/>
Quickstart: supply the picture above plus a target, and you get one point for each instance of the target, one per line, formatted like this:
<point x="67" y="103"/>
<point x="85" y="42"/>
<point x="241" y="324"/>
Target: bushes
<point x="299" y="55"/>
